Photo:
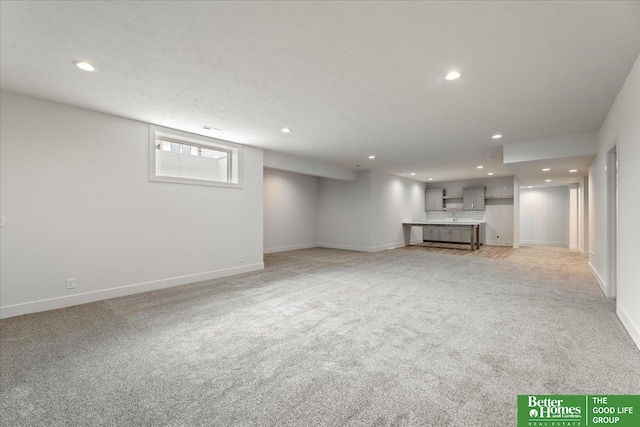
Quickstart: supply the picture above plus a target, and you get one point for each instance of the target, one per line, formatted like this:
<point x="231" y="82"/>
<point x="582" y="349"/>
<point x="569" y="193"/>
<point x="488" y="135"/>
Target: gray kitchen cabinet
<point x="445" y="234"/>
<point x="431" y="233"/>
<point x="453" y="234"/>
<point x="433" y="199"/>
<point x="473" y="198"/>
<point x="465" y="236"/>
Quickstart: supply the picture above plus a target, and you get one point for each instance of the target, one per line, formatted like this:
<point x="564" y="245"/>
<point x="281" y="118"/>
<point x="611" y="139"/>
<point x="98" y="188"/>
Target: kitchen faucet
<point x="454" y="216"/>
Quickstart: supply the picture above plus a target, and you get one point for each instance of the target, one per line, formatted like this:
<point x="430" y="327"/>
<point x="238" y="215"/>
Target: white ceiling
<point x="531" y="173"/>
<point x="350" y="79"/>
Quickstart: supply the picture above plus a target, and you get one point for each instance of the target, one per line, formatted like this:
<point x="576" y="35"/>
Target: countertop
<point x="418" y="223"/>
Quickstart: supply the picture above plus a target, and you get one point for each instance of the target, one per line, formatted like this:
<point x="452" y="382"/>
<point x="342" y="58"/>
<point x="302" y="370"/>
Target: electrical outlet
<point x="342" y="240"/>
<point x="71" y="283"/>
<point x="241" y="258"/>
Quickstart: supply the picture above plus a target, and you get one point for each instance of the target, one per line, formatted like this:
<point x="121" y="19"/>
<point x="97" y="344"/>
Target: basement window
<point x="179" y="157"/>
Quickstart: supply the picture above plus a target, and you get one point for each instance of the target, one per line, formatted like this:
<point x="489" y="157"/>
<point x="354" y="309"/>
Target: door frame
<point x="612" y="185"/>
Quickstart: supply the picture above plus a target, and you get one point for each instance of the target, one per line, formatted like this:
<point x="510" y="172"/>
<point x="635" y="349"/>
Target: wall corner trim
<point x="290" y="248"/>
<point x="345" y="247"/>
<point x="603" y="285"/>
<point x="632" y="328"/>
<point x="88" y="297"/>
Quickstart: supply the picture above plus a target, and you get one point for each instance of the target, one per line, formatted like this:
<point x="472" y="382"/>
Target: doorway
<point x="612" y="216"/>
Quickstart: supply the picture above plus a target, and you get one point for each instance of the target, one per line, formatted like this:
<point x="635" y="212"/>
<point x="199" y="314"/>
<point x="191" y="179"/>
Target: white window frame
<point x="234" y="150"/>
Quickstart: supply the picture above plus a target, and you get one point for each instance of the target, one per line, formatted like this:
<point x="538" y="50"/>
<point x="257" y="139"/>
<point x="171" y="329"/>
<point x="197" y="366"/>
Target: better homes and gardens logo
<point x="578" y="410"/>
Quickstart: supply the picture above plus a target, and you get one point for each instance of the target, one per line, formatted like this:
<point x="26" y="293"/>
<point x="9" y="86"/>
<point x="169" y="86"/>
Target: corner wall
<point x="622" y="125"/>
<point x="516" y="212"/>
<point x="545" y="216"/>
<point x="396" y="200"/>
<point x="290" y="211"/>
<point x="345" y="217"/>
<point x="78" y="203"/>
<point x="367" y="214"/>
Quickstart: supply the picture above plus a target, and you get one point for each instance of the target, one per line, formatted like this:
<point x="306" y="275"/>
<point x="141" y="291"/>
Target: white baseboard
<point x="543" y="243"/>
<point x="388" y="246"/>
<point x="631" y="327"/>
<point x="345" y="247"/>
<point x="573" y="247"/>
<point x="601" y="282"/>
<point x="290" y="248"/>
<point x="87" y="297"/>
<point x="498" y="243"/>
<point x="395" y="245"/>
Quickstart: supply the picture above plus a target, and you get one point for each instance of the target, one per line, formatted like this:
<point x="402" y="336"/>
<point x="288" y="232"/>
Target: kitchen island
<point x="473" y="227"/>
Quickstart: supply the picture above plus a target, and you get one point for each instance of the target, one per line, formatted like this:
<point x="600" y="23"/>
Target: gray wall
<point x="622" y="126"/>
<point x="544" y="216"/>
<point x="367" y="214"/>
<point x="290" y="211"/>
<point x="78" y="202"/>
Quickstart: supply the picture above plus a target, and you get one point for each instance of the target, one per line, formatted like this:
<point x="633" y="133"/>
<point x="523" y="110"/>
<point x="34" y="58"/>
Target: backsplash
<point x="460" y="215"/>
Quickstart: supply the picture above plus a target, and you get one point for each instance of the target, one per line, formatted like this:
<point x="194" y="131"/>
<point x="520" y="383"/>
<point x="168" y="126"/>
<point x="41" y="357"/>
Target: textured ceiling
<point x="350" y="79"/>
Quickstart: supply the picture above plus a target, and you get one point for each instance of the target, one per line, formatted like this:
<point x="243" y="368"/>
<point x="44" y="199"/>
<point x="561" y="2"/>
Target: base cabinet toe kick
<point x="471" y="233"/>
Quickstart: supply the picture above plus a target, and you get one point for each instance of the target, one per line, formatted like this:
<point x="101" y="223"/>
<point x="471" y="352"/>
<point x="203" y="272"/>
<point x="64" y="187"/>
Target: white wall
<point x="295" y="164"/>
<point x="290" y="211"/>
<point x="345" y="213"/>
<point x="367" y="214"/>
<point x="78" y="202"/>
<point x="498" y="214"/>
<point x="565" y="146"/>
<point x="574" y="216"/>
<point x="544" y="216"/>
<point x="583" y="216"/>
<point x="623" y="124"/>
<point x="396" y="200"/>
<point x="516" y="212"/>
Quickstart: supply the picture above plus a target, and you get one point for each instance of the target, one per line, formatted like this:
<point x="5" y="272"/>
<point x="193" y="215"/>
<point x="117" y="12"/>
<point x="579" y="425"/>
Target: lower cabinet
<point x="455" y="234"/>
<point x="431" y="233"/>
<point x="466" y="235"/>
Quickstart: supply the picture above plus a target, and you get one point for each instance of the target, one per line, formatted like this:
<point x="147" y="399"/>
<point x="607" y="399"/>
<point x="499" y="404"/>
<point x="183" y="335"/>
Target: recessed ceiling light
<point x="430" y="179"/>
<point x="496" y="136"/>
<point x="547" y="180"/>
<point x="490" y="173"/>
<point x="83" y="65"/>
<point x="205" y="127"/>
<point x="453" y="75"/>
<point x="372" y="157"/>
<point x="546" y="170"/>
<point x="479" y="167"/>
<point x="413" y="174"/>
<point x="573" y="170"/>
<point x="286" y="130"/>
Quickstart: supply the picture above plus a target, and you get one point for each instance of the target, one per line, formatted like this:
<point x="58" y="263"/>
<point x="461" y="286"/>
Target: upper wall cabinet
<point x="433" y="199"/>
<point x="473" y="198"/>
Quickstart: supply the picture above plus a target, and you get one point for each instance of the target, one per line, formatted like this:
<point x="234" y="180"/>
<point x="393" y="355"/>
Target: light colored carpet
<point x="325" y="337"/>
<point x="502" y="252"/>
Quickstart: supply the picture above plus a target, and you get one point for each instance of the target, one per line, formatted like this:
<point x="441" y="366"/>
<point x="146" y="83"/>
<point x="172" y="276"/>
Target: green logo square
<point x="535" y="410"/>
